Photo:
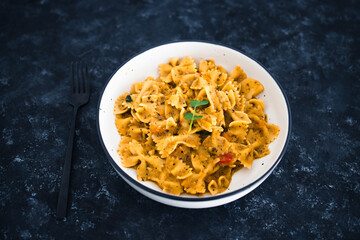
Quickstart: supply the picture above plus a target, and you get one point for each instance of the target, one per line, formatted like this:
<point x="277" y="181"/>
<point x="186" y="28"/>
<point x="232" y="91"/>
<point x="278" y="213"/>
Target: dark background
<point x="311" y="47"/>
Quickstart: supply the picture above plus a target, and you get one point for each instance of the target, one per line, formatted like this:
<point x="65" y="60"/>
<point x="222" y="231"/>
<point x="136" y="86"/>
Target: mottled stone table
<point x="312" y="48"/>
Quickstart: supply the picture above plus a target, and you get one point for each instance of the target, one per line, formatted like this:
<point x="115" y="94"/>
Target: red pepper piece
<point x="226" y="158"/>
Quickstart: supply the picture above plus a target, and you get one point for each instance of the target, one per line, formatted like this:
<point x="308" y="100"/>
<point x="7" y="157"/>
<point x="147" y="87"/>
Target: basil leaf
<point x="196" y="103"/>
<point x="192" y="117"/>
<point x="189" y="116"/>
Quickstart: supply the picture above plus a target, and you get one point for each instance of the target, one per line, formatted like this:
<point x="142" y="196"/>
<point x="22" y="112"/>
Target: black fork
<point x="79" y="96"/>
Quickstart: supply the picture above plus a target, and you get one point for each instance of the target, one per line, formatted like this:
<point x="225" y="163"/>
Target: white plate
<point x="146" y="64"/>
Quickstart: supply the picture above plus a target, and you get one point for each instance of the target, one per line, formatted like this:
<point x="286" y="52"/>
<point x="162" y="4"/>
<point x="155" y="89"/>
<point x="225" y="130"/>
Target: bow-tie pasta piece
<point x="206" y="65"/>
<point x="120" y="107"/>
<point x="238" y="129"/>
<point x="167" y="145"/>
<point x="178" y="99"/>
<point x="194" y="184"/>
<point x="214" y="77"/>
<point x="122" y="124"/>
<point x="238" y="74"/>
<point x="207" y="123"/>
<point x="251" y="87"/>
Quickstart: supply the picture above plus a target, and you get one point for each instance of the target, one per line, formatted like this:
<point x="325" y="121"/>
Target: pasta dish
<point x="191" y="128"/>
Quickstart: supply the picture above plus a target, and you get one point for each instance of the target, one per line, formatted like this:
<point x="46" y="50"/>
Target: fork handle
<point x="65" y="179"/>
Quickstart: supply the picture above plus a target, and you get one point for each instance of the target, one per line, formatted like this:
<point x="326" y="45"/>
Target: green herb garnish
<point x="128" y="98"/>
<point x="191" y="117"/>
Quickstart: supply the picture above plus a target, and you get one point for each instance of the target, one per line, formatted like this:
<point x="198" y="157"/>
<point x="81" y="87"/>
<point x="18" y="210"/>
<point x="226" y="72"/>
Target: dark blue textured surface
<point x="312" y="48"/>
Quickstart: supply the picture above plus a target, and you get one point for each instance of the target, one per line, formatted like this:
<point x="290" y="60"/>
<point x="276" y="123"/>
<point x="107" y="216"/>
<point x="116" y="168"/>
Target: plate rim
<point x="184" y="198"/>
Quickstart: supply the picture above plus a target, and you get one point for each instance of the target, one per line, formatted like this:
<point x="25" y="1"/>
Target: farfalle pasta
<point x="199" y="156"/>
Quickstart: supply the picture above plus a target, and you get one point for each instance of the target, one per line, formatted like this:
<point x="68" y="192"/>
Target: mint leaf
<point x="196" y="103"/>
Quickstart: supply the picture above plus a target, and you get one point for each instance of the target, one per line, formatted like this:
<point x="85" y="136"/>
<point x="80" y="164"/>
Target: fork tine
<point x="79" y="77"/>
